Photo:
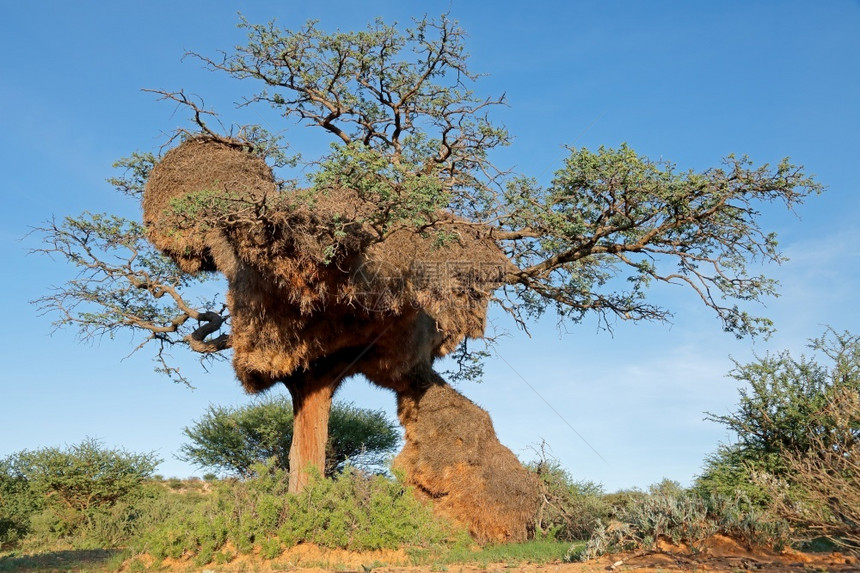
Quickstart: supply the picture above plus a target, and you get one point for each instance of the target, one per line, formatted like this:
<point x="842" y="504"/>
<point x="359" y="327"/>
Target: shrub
<point x="798" y="440"/>
<point x="823" y="496"/>
<point x="82" y="489"/>
<point x="671" y="513"/>
<point x="351" y="511"/>
<point x="233" y="440"/>
<point x="357" y="511"/>
<point x="780" y="414"/>
<point x="570" y="510"/>
<point x="86" y="475"/>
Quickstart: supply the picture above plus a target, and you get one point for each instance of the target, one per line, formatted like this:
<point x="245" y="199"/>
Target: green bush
<point x="669" y="512"/>
<point x="232" y="440"/>
<point x="352" y="511"/>
<point x="781" y="414"/>
<point x="87" y="475"/>
<point x="356" y="511"/>
<point x="820" y="495"/>
<point x="85" y="490"/>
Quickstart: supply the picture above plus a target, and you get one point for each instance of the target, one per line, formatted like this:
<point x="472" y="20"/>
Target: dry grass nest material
<point x="204" y="188"/>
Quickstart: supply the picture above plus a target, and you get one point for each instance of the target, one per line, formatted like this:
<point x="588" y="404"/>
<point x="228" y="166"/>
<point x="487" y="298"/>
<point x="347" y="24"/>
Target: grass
<point x="65" y="560"/>
<point x="536" y="551"/>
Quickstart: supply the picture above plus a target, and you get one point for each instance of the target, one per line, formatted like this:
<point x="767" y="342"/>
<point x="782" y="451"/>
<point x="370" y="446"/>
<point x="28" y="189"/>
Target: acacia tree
<point x="234" y="440"/>
<point x="412" y="146"/>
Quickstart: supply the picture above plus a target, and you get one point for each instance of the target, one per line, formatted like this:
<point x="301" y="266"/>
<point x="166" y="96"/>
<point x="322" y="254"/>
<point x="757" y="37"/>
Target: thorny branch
<point x="123" y="283"/>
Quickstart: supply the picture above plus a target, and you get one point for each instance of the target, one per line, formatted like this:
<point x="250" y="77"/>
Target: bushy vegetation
<point x="570" y="509"/>
<point x="782" y="410"/>
<point x="351" y="511"/>
<point x="797" y="430"/>
<point x="820" y="493"/>
<point x="233" y="440"/>
<point x="78" y="490"/>
<point x="88" y="497"/>
<point x="671" y="513"/>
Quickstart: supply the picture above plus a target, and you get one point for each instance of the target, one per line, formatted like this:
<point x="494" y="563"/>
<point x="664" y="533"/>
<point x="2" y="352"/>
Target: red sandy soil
<point x="721" y="554"/>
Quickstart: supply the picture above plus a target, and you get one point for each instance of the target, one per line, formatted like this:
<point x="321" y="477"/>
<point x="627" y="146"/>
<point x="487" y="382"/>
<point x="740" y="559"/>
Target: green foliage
<point x="233" y="440"/>
<point x="670" y="513"/>
<point x="86" y="475"/>
<point x="86" y="492"/>
<point x="360" y="438"/>
<point x="615" y="214"/>
<point x="136" y="169"/>
<point x="782" y="412"/>
<point x="401" y="192"/>
<point x="402" y="94"/>
<point x="357" y="512"/>
<point x="352" y="511"/>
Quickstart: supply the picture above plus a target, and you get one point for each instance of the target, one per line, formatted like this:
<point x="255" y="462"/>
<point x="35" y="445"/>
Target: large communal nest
<point x="309" y="274"/>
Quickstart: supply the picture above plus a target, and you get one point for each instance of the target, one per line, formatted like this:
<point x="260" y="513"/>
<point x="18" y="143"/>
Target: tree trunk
<point x="311" y="409"/>
<point x="452" y="456"/>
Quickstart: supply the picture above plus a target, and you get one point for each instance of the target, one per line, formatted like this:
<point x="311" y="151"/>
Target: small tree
<point x="232" y="440"/>
<point x="72" y="485"/>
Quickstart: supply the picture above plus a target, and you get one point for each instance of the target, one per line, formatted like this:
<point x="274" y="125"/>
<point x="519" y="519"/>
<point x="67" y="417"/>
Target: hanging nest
<point x="199" y="169"/>
<point x="309" y="276"/>
<point x="317" y="291"/>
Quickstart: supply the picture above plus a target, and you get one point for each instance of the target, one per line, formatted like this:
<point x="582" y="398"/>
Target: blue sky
<point x="687" y="82"/>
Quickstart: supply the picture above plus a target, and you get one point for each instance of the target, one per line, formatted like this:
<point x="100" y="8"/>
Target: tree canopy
<point x="233" y="440"/>
<point x="412" y="138"/>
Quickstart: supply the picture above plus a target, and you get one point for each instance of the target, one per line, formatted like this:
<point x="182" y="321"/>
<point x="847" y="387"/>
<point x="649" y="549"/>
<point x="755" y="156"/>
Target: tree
<point x="232" y="440"/>
<point x="786" y="414"/>
<point x="387" y="256"/>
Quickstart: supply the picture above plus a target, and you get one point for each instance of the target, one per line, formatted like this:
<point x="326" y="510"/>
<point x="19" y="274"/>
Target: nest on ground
<point x="310" y="277"/>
